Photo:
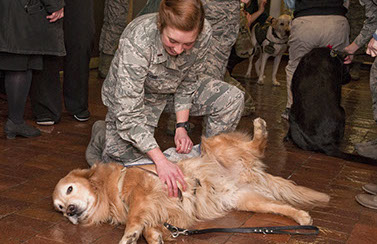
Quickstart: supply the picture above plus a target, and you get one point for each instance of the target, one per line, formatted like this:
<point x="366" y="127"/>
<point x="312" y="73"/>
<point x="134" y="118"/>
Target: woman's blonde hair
<point x="184" y="15"/>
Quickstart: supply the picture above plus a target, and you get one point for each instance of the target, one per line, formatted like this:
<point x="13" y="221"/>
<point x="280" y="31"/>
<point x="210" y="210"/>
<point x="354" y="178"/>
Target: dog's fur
<point x="281" y="27"/>
<point x="317" y="119"/>
<point x="228" y="175"/>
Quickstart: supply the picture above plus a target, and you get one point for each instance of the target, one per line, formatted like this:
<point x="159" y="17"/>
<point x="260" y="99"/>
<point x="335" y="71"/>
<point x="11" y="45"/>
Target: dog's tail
<point x="286" y="190"/>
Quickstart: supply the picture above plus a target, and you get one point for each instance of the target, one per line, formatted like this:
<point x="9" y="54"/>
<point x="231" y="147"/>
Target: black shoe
<point x="83" y="116"/>
<point x="12" y="130"/>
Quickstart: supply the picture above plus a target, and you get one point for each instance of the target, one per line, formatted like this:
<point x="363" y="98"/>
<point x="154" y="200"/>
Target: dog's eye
<point x="281" y="23"/>
<point x="60" y="207"/>
<point x="69" y="190"/>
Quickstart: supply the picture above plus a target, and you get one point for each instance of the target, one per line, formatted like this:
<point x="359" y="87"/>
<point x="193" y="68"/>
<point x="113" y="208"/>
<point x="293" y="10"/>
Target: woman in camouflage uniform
<point x="160" y="64"/>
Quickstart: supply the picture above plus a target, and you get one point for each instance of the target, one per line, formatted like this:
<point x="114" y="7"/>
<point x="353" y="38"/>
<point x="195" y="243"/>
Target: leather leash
<point x="290" y="230"/>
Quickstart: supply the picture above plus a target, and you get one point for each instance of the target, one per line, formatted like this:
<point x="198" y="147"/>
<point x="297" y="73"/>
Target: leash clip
<point x="175" y="231"/>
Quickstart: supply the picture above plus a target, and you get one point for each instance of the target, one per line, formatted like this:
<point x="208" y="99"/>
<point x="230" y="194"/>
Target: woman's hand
<point x="56" y="15"/>
<point x="169" y="173"/>
<point x="372" y="47"/>
<point x="182" y="141"/>
<point x="262" y="5"/>
<point x="350" y="49"/>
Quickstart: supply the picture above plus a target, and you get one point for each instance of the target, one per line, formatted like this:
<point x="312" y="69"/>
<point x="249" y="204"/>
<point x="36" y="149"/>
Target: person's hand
<point x="350" y="49"/>
<point x="182" y="141"/>
<point x="169" y="173"/>
<point x="372" y="47"/>
<point x="262" y="4"/>
<point x="245" y="1"/>
<point x="56" y="15"/>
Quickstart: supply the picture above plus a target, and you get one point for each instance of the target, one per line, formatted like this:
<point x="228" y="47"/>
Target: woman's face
<point x="176" y="41"/>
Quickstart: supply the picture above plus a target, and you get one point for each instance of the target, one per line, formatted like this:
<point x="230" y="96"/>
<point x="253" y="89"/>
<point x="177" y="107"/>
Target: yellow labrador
<point x="274" y="44"/>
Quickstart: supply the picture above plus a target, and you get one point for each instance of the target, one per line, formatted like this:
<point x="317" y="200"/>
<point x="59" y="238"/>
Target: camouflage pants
<point x="221" y="104"/>
<point x="373" y="87"/>
<point x="114" y="22"/>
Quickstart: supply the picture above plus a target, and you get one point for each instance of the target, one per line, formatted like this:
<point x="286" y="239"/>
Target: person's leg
<point x="114" y="22"/>
<point x="373" y="87"/>
<point x="369" y="149"/>
<point x="78" y="37"/>
<point x="45" y="94"/>
<point x="17" y="85"/>
<point x="300" y="43"/>
<point x="221" y="104"/>
<point x="106" y="146"/>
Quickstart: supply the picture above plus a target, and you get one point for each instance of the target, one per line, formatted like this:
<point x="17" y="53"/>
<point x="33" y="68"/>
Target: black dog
<point x="316" y="119"/>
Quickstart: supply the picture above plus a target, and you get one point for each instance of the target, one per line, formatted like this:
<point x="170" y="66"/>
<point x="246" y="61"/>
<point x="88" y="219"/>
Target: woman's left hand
<point x="56" y="15"/>
<point x="182" y="141"/>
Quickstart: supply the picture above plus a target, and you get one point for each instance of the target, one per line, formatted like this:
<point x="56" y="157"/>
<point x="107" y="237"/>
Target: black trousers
<point x="78" y="38"/>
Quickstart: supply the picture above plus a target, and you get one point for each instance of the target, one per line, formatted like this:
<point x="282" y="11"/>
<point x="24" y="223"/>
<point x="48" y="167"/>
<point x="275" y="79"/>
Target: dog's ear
<point x="274" y="22"/>
<point x="84" y="173"/>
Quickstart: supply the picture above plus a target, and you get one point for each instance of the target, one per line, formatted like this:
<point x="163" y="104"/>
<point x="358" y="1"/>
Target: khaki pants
<point x="310" y="32"/>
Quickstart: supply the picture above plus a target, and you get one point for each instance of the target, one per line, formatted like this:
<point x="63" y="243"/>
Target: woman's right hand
<point x="169" y="173"/>
<point x="56" y="15"/>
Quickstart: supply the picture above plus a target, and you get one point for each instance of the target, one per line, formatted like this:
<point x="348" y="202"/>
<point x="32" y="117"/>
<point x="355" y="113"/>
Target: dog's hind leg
<point x="256" y="202"/>
<point x="275" y="68"/>
<point x="250" y="67"/>
<point x="259" y="142"/>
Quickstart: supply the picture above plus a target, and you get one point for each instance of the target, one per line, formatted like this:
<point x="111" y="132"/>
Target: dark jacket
<point x="319" y="7"/>
<point x="24" y="28"/>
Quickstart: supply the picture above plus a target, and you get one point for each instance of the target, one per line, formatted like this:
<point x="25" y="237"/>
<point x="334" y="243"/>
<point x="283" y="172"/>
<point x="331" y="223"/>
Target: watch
<point x="185" y="125"/>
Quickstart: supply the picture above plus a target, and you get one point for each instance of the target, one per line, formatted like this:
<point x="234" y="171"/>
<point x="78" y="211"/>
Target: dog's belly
<point x="212" y="190"/>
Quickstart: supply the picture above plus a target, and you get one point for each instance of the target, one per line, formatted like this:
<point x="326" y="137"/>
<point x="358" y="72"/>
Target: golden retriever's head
<point x="74" y="196"/>
<point x="282" y="25"/>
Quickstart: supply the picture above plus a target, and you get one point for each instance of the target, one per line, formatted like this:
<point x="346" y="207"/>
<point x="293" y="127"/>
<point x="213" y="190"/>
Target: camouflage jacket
<point x="370" y="24"/>
<point x="143" y="75"/>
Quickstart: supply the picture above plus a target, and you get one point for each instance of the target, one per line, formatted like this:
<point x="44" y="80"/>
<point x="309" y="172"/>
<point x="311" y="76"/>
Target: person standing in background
<point x="78" y="26"/>
<point x="316" y="23"/>
<point x="368" y="33"/>
<point x="26" y="33"/>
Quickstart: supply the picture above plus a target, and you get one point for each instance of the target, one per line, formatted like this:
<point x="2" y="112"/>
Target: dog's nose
<point x="71" y="210"/>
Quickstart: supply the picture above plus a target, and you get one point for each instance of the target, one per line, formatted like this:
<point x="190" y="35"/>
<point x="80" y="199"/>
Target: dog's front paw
<point x="260" y="82"/>
<point x="275" y="83"/>
<point x="303" y="218"/>
<point x="260" y="128"/>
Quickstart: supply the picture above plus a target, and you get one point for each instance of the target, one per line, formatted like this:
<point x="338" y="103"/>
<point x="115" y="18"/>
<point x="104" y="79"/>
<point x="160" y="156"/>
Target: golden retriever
<point x="228" y="175"/>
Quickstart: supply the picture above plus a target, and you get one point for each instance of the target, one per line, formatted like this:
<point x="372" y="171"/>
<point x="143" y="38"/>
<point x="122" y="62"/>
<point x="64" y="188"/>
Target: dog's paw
<point x="276" y="83"/>
<point x="260" y="82"/>
<point x="303" y="218"/>
<point x="129" y="238"/>
<point x="260" y="129"/>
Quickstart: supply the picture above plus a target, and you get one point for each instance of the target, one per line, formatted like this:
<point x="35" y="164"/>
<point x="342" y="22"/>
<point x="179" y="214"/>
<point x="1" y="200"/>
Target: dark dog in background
<point x="317" y="119"/>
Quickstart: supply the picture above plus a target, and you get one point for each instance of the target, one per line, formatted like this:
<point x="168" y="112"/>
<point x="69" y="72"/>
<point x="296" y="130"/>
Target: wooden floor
<point x="30" y="168"/>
